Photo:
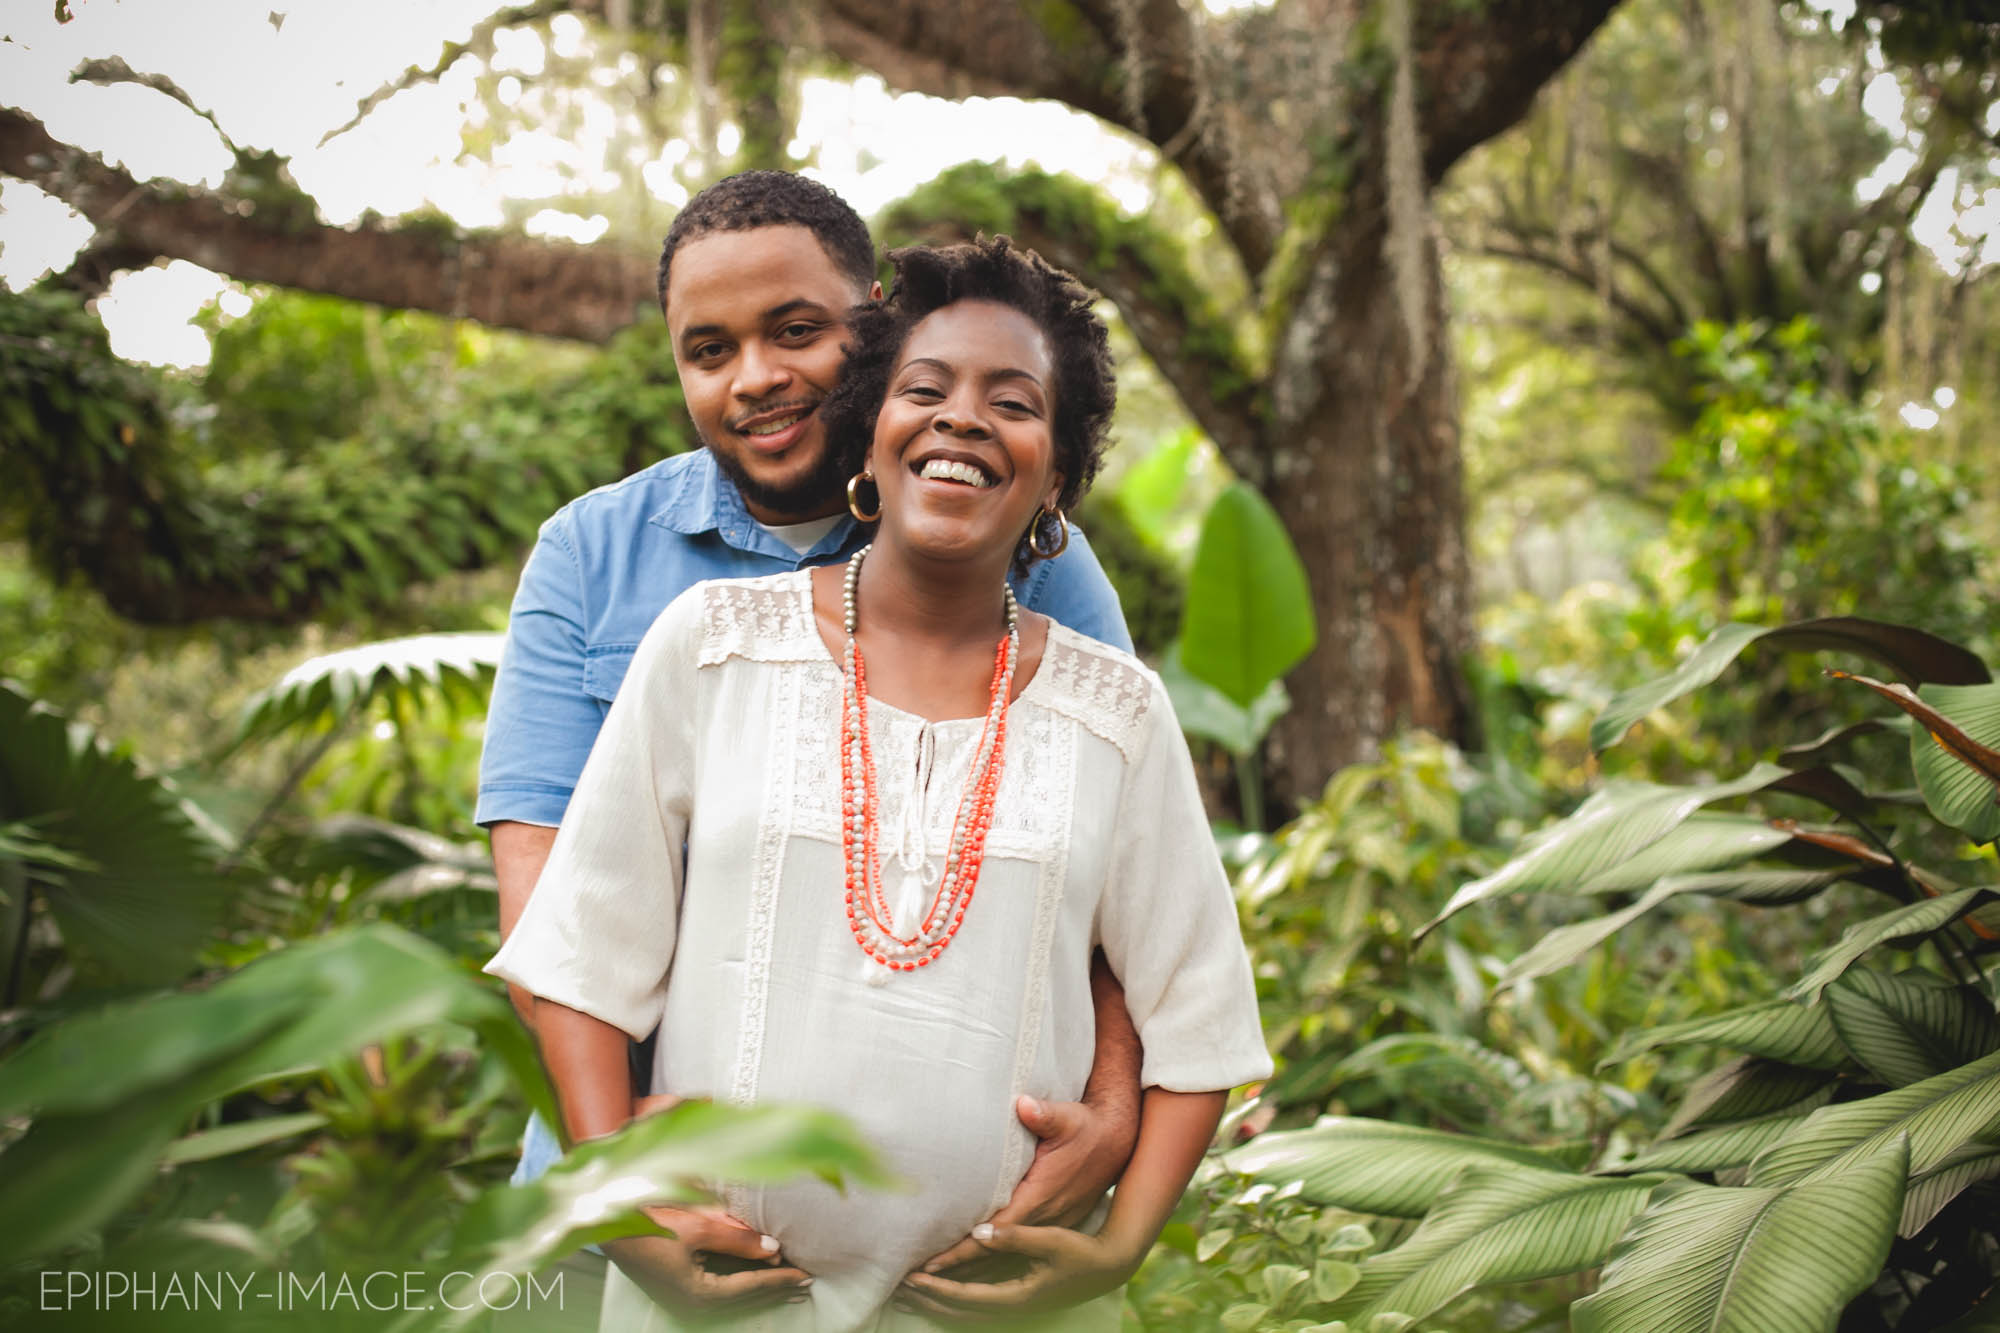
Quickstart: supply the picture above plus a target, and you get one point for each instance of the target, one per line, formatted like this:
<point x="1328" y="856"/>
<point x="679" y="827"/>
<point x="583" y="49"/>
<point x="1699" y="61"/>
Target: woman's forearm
<point x="1175" y="1129"/>
<point x="586" y="1059"/>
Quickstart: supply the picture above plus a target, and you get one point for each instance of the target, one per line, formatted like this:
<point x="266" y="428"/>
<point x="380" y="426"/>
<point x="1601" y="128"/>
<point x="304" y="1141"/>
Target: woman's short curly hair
<point x="928" y="278"/>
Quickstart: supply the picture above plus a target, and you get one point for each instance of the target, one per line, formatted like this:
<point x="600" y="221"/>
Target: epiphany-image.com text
<point x="382" y="1291"/>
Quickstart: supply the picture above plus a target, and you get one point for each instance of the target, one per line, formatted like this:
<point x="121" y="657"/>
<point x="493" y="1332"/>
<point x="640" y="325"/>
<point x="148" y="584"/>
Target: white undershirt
<point x="802" y="537"/>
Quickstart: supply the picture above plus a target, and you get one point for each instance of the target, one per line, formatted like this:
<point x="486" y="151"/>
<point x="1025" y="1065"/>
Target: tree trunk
<point x="1370" y="486"/>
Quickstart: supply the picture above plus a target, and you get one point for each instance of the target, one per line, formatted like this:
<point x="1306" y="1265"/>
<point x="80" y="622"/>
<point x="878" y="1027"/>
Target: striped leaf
<point x="1929" y="1193"/>
<point x="1711" y="840"/>
<point x="1908" y="1027"/>
<point x="1615" y="824"/>
<point x="1375" y="1166"/>
<point x="1746" y="1088"/>
<point x="1498" y="1225"/>
<point x="1724" y="1147"/>
<point x="1910" y="653"/>
<point x="1565" y="944"/>
<point x="1776" y="1259"/>
<point x="1960" y="776"/>
<point x="1777" y="1030"/>
<point x="1910" y="922"/>
<point x="1938" y="1117"/>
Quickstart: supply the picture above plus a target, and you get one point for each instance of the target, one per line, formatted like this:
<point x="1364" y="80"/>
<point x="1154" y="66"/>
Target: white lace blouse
<point x="724" y="738"/>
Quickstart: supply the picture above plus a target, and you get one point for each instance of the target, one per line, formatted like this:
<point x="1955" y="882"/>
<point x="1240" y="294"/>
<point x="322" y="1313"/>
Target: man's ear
<point x="875" y="291"/>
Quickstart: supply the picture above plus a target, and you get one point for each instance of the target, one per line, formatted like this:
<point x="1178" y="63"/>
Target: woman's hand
<point x="1065" y="1268"/>
<point x="712" y="1264"/>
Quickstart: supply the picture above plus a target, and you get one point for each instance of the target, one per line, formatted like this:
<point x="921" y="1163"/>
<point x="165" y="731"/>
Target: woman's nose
<point x="954" y="418"/>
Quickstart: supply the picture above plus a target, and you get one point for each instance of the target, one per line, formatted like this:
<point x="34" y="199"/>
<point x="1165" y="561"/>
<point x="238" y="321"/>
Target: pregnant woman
<point x="910" y="811"/>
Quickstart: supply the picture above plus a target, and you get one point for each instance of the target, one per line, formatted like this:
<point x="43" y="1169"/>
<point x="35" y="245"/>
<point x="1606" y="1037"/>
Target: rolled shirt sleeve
<point x="1167" y="923"/>
<point x="615" y="870"/>
<point x="541" y="722"/>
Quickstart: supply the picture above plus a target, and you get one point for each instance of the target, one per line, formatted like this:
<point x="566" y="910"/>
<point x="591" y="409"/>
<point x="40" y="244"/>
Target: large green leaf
<point x="1724" y="1147"/>
<point x="1911" y="921"/>
<point x="134" y="888"/>
<point x="1709" y="840"/>
<point x="1375" y="1166"/>
<point x="1150" y="490"/>
<point x="293" y="1010"/>
<point x="1617" y="823"/>
<point x="1794" y="1033"/>
<point x="1565" y="944"/>
<point x="1928" y="1193"/>
<point x="592" y="1194"/>
<point x="1908" y="1027"/>
<point x="1203" y="710"/>
<point x="1495" y="1225"/>
<point x="1911" y="653"/>
<point x="1248" y="618"/>
<point x="1963" y="795"/>
<point x="1747" y="1087"/>
<point x="334" y="689"/>
<point x="1938" y="1117"/>
<point x="1784" y="1259"/>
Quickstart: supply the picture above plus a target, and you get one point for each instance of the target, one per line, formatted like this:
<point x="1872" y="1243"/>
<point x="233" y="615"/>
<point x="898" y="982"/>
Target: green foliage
<point x="1860" y="1123"/>
<point x="171" y="524"/>
<point x="1793" y="503"/>
<point x="1249" y="614"/>
<point x="122" y="864"/>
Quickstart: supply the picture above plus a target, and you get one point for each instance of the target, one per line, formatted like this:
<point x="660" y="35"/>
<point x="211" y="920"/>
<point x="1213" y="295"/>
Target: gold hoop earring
<point x="1035" y="532"/>
<point x="854" y="499"/>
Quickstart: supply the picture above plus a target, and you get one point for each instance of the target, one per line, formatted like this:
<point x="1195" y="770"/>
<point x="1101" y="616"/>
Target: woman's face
<point x="964" y="449"/>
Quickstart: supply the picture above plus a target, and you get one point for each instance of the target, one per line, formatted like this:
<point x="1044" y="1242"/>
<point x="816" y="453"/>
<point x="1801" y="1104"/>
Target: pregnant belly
<point x="954" y="1163"/>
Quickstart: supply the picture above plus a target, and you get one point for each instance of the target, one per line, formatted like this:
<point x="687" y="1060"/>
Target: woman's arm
<point x="1068" y="1267"/>
<point x="586" y="1058"/>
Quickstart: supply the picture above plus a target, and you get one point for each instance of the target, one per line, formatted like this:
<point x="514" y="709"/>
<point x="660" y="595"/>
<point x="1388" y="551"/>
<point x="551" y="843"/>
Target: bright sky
<point x="283" y="84"/>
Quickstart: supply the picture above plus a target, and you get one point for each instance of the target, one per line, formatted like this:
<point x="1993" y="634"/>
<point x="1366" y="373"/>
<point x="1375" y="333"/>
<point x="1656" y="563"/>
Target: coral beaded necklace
<point x="868" y="914"/>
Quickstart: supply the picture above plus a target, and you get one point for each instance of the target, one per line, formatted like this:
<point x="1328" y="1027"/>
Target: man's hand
<point x="1064" y="1268"/>
<point x="680" y="1272"/>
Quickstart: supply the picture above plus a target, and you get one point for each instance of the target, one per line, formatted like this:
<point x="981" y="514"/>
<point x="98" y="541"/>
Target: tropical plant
<point x="1849" y="1143"/>
<point x="1247" y="620"/>
<point x="110" y="1097"/>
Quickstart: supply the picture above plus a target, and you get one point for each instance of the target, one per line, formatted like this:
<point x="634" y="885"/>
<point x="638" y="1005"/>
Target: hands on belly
<point x="712" y="1264"/>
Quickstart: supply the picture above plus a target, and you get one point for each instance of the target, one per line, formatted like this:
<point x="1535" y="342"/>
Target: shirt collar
<point x="700" y="499"/>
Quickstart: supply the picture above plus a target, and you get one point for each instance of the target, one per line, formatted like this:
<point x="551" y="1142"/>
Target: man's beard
<point x="810" y="494"/>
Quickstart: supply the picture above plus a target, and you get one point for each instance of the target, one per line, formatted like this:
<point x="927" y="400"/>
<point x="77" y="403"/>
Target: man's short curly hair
<point x="753" y="199"/>
<point x="928" y="279"/>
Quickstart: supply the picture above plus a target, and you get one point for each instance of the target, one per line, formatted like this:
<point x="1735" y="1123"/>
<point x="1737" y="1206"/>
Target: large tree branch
<point x="543" y="287"/>
<point x="1480" y="66"/>
<point x="1140" y="270"/>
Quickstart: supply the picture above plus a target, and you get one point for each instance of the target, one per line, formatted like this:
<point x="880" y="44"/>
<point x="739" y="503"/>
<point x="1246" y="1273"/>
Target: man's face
<point x="758" y="320"/>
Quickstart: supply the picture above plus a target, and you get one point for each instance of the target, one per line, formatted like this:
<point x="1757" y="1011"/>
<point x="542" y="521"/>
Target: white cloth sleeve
<point x="598" y="932"/>
<point x="1167" y="923"/>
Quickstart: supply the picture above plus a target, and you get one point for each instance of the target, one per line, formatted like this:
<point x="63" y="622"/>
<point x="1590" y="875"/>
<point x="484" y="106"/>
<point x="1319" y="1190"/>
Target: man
<point x="756" y="277"/>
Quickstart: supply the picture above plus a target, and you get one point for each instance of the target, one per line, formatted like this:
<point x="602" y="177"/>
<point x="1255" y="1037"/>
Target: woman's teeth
<point x="946" y="469"/>
<point x="774" y="426"/>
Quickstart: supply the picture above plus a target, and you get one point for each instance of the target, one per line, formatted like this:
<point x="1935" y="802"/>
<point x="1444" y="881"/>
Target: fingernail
<point x="1034" y="1106"/>
<point x="931" y="1267"/>
<point x="983" y="1232"/>
<point x="805" y="1282"/>
<point x="770" y="1243"/>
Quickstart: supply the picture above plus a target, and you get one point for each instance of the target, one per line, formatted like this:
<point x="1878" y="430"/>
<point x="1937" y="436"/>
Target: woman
<point x="910" y="812"/>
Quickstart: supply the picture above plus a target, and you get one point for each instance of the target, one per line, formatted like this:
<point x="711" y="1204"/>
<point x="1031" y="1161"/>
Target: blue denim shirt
<point x="603" y="569"/>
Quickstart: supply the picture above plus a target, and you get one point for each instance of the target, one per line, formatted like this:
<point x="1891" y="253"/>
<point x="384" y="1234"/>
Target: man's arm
<point x="586" y="1062"/>
<point x="519" y="853"/>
